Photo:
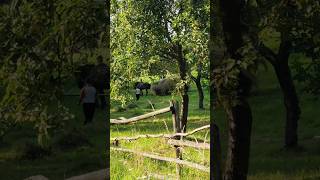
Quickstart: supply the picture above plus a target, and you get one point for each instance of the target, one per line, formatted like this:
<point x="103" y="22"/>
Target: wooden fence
<point x="175" y="139"/>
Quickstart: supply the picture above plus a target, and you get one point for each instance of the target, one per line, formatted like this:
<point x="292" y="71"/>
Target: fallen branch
<point x="168" y="136"/>
<point x="168" y="159"/>
<point x="158" y="176"/>
<point x="138" y="118"/>
<point x="189" y="144"/>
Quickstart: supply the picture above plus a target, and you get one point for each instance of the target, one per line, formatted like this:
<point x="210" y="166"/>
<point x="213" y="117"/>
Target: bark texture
<point x="240" y="118"/>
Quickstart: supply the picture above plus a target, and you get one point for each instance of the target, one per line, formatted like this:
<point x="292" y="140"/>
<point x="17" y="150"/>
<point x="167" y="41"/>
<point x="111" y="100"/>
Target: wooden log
<point x="167" y="159"/>
<point x="182" y="143"/>
<point x="158" y="176"/>
<point x="168" y="136"/>
<point x="138" y="118"/>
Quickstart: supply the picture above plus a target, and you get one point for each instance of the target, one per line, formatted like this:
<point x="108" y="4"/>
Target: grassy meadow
<point x="75" y="150"/>
<point x="129" y="166"/>
<point x="268" y="159"/>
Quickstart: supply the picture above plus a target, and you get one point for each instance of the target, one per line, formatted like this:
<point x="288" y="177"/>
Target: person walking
<point x="138" y="92"/>
<point x="88" y="98"/>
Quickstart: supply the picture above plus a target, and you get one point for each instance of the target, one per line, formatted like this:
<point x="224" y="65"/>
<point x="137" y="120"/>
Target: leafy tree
<point x="293" y="25"/>
<point x="38" y="42"/>
<point x="231" y="76"/>
<point x="165" y="34"/>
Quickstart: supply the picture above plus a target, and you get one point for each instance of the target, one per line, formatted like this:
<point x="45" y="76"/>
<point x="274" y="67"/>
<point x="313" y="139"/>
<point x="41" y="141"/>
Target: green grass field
<point x="268" y="159"/>
<point x="62" y="163"/>
<point x="128" y="166"/>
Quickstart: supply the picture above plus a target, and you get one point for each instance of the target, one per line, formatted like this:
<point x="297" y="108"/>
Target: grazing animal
<point x="142" y="86"/>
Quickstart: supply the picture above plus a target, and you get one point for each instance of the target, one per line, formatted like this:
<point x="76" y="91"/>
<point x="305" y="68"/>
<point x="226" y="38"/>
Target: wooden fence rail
<point x="168" y="159"/>
<point x="138" y="118"/>
<point x="168" y="136"/>
<point x="175" y="139"/>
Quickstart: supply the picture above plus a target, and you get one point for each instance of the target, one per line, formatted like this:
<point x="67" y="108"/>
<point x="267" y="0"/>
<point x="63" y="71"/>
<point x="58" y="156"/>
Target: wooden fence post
<point x="177" y="128"/>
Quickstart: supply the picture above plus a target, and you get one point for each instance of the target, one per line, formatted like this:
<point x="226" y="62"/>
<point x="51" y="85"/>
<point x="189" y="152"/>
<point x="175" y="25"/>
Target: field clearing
<point x="62" y="163"/>
<point x="129" y="166"/>
<point x="268" y="159"/>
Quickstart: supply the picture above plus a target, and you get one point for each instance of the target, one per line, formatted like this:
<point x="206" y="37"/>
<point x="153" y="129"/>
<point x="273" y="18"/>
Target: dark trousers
<point x="88" y="109"/>
<point x="137" y="96"/>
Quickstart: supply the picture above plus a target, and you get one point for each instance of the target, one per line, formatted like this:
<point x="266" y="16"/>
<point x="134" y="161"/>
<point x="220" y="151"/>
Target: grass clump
<point x="72" y="139"/>
<point x="32" y="151"/>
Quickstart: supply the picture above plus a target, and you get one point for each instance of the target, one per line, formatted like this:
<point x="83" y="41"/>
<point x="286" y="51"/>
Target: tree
<point x="38" y="42"/>
<point x="156" y="32"/>
<point x="293" y="23"/>
<point x="231" y="78"/>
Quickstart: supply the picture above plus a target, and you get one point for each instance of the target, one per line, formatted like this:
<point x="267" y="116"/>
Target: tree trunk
<point x="240" y="118"/>
<point x="239" y="142"/>
<point x="200" y="93"/>
<point x="215" y="147"/>
<point x="290" y="97"/>
<point x="197" y="81"/>
<point x="184" y="91"/>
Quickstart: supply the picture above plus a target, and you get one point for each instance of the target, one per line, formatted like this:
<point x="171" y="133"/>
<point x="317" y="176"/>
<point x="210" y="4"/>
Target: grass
<point x="268" y="159"/>
<point x="62" y="163"/>
<point x="129" y="166"/>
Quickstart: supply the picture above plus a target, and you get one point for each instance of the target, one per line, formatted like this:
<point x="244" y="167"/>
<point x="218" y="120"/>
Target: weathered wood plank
<point x="138" y="118"/>
<point x="167" y="159"/>
<point x="168" y="136"/>
<point x="188" y="144"/>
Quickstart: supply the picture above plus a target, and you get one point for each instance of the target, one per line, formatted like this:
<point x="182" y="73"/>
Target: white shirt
<point x="138" y="91"/>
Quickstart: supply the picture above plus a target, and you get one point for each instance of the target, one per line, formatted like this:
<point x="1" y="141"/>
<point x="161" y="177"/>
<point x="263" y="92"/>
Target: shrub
<point x="32" y="151"/>
<point x="72" y="139"/>
<point x="120" y="109"/>
<point x="164" y="87"/>
<point x="132" y="105"/>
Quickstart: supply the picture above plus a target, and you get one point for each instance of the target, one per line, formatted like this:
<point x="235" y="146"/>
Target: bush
<point x="120" y="109"/>
<point x="164" y="87"/>
<point x="132" y="105"/>
<point x="32" y="151"/>
<point x="72" y="139"/>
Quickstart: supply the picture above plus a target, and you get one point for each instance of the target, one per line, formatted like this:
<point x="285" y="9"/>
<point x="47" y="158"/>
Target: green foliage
<point x="308" y="73"/>
<point x="296" y="22"/>
<point x="38" y="42"/>
<point x="145" y="35"/>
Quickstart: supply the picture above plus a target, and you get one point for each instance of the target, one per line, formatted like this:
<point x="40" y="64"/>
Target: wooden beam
<point x="138" y="118"/>
<point x="169" y="136"/>
<point x="188" y="144"/>
<point x="167" y="159"/>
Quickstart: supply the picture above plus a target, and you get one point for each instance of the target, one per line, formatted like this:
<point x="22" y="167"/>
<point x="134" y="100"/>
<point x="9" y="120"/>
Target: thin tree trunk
<point x="200" y="93"/>
<point x="290" y="97"/>
<point x="240" y="118"/>
<point x="197" y="81"/>
<point x="185" y="98"/>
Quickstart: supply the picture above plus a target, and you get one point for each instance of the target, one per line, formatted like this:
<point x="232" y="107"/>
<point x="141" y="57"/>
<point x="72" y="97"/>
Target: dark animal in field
<point x="142" y="86"/>
<point x="97" y="75"/>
